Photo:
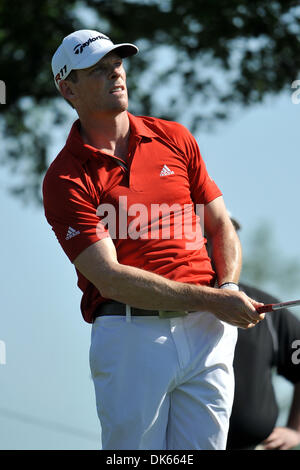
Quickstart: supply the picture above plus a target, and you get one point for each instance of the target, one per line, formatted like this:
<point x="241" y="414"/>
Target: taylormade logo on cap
<point x="82" y="49"/>
<point x="79" y="48"/>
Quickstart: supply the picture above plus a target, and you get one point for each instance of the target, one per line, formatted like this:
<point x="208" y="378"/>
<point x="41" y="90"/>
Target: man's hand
<point x="237" y="309"/>
<point x="282" y="438"/>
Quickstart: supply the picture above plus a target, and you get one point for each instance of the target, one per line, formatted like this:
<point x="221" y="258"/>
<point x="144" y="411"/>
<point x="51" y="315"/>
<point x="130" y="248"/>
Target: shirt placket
<point x="131" y="157"/>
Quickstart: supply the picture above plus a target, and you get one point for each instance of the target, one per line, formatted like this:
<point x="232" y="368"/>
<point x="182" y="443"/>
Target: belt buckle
<point x="172" y="313"/>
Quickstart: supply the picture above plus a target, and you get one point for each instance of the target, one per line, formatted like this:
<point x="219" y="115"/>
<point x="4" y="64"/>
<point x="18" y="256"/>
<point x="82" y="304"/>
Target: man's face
<point x="102" y="87"/>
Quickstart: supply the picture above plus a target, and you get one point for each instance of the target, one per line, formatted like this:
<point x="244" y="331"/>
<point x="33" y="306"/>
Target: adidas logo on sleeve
<point x="72" y="233"/>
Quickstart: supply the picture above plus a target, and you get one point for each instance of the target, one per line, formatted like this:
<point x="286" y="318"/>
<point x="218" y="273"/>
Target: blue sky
<point x="47" y="396"/>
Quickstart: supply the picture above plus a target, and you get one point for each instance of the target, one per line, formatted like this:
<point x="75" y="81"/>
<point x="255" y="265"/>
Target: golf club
<point x="273" y="307"/>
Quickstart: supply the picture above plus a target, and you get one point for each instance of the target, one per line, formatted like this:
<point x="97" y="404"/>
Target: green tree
<point x="203" y="57"/>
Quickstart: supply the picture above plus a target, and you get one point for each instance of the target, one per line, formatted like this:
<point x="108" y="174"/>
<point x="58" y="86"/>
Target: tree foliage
<point x="198" y="60"/>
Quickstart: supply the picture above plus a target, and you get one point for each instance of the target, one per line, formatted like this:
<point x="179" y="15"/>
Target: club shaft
<point x="273" y="307"/>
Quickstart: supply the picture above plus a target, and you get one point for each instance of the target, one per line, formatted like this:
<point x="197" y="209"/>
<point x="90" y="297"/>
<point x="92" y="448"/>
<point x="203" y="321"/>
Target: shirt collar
<point x="138" y="127"/>
<point x="77" y="147"/>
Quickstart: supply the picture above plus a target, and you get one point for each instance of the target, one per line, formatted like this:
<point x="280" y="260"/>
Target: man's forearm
<point x="227" y="254"/>
<point x="146" y="290"/>
<point x="294" y="416"/>
<point x="143" y="289"/>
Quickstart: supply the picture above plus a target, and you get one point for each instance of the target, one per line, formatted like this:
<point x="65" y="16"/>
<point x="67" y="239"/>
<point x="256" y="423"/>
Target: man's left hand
<point x="282" y="438"/>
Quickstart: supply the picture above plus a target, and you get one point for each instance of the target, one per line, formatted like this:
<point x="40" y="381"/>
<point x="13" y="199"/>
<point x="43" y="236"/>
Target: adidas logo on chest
<point x="166" y="171"/>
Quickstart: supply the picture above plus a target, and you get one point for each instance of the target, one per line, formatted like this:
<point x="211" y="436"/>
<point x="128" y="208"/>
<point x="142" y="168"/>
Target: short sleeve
<point x="71" y="211"/>
<point x="203" y="188"/>
<point x="288" y="327"/>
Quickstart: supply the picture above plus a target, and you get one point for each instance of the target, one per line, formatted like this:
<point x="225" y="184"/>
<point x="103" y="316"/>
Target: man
<point x="270" y="347"/>
<point x="162" y="337"/>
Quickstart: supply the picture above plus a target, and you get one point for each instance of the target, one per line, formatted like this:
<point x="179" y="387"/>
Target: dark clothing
<point x="260" y="351"/>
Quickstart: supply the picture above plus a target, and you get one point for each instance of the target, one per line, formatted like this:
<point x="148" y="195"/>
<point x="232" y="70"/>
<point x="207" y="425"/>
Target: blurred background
<point x="225" y="69"/>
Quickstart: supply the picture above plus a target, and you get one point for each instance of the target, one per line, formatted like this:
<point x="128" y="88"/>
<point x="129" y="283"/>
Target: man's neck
<point x="110" y="133"/>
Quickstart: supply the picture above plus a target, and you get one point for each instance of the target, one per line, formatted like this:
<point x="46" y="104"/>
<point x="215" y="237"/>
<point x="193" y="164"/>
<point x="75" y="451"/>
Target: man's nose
<point x="115" y="72"/>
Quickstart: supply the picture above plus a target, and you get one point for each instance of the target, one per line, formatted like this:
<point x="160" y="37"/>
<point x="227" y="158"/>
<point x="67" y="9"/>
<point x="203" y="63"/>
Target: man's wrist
<point x="229" y="285"/>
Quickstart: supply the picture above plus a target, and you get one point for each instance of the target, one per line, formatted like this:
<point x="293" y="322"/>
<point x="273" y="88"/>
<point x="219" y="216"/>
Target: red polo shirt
<point x="147" y="206"/>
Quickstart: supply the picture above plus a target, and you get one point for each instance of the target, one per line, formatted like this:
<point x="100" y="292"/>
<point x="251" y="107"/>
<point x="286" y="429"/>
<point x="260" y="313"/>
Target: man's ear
<point x="66" y="90"/>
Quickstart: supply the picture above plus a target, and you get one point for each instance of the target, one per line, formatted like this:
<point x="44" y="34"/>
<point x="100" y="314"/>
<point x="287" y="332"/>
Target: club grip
<point x="265" y="308"/>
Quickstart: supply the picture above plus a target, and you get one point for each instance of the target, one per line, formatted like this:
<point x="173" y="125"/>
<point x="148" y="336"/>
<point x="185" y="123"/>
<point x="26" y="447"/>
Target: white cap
<point x="82" y="49"/>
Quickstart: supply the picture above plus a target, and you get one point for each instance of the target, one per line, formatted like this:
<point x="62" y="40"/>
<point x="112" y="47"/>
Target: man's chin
<point x="124" y="107"/>
<point x="121" y="107"/>
<point x="115" y="109"/>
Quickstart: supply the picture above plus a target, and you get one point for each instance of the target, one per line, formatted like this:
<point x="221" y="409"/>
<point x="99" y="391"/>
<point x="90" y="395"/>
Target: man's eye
<point x="99" y="68"/>
<point x="105" y="68"/>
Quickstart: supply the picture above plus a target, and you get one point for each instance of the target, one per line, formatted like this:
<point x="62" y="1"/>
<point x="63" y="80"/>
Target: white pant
<point x="163" y="383"/>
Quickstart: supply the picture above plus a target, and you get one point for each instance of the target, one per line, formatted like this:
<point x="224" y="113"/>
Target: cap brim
<point x="124" y="50"/>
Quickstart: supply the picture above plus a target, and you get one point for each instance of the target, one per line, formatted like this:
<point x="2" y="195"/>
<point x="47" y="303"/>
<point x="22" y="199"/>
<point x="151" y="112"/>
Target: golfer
<point x="127" y="197"/>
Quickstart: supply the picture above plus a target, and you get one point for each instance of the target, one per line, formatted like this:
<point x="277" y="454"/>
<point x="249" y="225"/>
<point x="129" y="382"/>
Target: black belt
<point x="117" y="308"/>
